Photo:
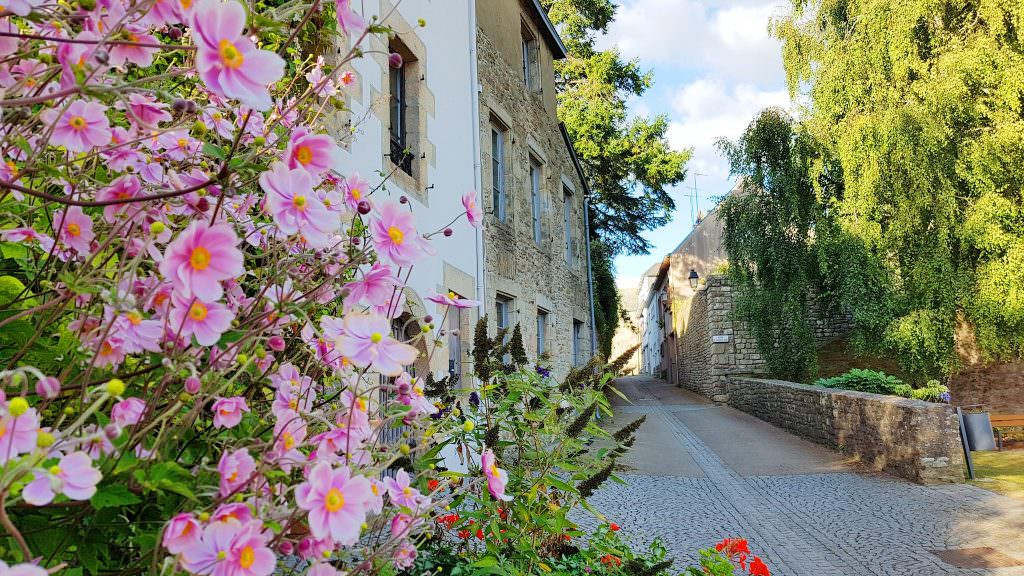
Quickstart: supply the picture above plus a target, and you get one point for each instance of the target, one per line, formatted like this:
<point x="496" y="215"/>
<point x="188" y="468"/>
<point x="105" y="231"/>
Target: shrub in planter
<point x="867" y="381"/>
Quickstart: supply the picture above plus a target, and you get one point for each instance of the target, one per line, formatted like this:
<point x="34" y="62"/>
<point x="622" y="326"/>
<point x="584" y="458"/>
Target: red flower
<point x="614" y="527"/>
<point x="464" y="534"/>
<point x="608" y="560"/>
<point x="758" y="568"/>
<point x="432" y="484"/>
<point x="479" y="533"/>
<point x="566" y="537"/>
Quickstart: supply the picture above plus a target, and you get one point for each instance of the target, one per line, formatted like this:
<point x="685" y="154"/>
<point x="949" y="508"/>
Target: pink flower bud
<point x="192" y="385"/>
<point x="276" y="343"/>
<point x="112" y="431"/>
<point x="48" y="387"/>
<point x="286" y="548"/>
<point x="448" y="232"/>
<point x="395" y="60"/>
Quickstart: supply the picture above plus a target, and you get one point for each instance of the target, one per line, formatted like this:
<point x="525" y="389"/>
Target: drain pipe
<point x="474" y="105"/>
<point x="590" y="276"/>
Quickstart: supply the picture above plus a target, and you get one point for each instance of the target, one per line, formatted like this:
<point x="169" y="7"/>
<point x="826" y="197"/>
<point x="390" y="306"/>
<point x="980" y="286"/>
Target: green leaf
<point x="13" y="250"/>
<point x="214" y="151"/>
<point x="113" y="496"/>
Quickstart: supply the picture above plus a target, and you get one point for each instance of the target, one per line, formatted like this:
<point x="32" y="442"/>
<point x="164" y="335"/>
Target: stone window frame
<point x="577" y="341"/>
<point x="421" y="103"/>
<point x="530" y="55"/>
<point x="536" y="188"/>
<point x="568" y="219"/>
<point x="543" y="331"/>
<point x="502" y="214"/>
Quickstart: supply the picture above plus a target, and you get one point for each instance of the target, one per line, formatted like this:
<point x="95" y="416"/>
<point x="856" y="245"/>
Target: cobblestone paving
<point x="815" y="524"/>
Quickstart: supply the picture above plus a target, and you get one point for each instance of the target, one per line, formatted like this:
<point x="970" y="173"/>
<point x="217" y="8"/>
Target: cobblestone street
<point x="701" y="472"/>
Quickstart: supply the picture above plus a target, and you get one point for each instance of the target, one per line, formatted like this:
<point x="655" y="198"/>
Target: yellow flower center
<point x="74" y="229"/>
<point x="293" y="403"/>
<point x="55" y="470"/>
<point x="289" y="440"/>
<point x="494" y="470"/>
<point x="77" y="122"/>
<point x="407" y="491"/>
<point x="200" y="258"/>
<point x="247" y="558"/>
<point x="106" y="348"/>
<point x="334" y="501"/>
<point x="357" y="194"/>
<point x="361" y="404"/>
<point x="222" y="555"/>
<point x="396" y="235"/>
<point x="230" y="56"/>
<point x="304" y="155"/>
<point x="374" y="489"/>
<point x="198" y="312"/>
<point x="134" y="317"/>
<point x="182" y="142"/>
<point x="299" y="202"/>
<point x="376" y="337"/>
<point x="3" y="429"/>
<point x="186" y="4"/>
<point x="452" y="295"/>
<point x="233" y="477"/>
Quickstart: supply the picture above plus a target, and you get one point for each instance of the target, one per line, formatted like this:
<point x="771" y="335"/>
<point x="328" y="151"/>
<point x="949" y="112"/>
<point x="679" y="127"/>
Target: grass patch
<point x="1001" y="472"/>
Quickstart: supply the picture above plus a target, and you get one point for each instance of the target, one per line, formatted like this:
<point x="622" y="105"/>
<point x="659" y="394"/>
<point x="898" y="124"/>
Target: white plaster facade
<point x="443" y="140"/>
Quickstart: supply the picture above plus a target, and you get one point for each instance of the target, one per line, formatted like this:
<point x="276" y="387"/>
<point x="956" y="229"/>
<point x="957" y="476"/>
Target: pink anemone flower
<point x="207" y="321"/>
<point x="356" y="189"/>
<point x="19" y="433"/>
<point x="348" y="20"/>
<point x="199" y="258"/>
<point x="227" y="412"/>
<point x="496" y="477"/>
<point x="337" y="503"/>
<point x="128" y="412"/>
<point x="75" y="229"/>
<point x="473" y="212"/>
<point x="376" y="285"/>
<point x="23" y="569"/>
<point x="314" y="153"/>
<point x="395" y="236"/>
<point x="236" y="470"/>
<point x="182" y="532"/>
<point x="231" y="549"/>
<point x="367" y="341"/>
<point x="123" y="188"/>
<point x="80" y="128"/>
<point x="228" y="62"/>
<point x="452" y="299"/>
<point x="141" y="56"/>
<point x="296" y="209"/>
<point x="73" y="477"/>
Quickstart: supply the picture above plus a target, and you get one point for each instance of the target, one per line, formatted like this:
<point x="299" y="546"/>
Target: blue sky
<point x="715" y="66"/>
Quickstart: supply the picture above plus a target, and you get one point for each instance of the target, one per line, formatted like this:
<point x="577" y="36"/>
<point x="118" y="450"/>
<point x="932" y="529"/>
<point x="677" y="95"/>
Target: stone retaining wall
<point x="916" y="440"/>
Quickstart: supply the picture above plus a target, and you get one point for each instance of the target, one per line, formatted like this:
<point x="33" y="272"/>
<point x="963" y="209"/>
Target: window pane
<point x="535" y="198"/>
<point x="498" y="172"/>
<point x="567" y="223"/>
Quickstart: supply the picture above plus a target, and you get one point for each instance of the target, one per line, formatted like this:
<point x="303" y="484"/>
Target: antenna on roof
<point x="695" y="216"/>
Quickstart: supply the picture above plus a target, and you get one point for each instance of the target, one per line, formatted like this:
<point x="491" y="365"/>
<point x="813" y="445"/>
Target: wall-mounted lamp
<point x="693" y="278"/>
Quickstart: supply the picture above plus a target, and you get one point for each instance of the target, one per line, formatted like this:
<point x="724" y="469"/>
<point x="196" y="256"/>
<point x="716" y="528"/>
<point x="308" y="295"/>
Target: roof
<point x="551" y="37"/>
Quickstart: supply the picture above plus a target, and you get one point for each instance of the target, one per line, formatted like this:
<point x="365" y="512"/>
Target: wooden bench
<point x="1000" y="421"/>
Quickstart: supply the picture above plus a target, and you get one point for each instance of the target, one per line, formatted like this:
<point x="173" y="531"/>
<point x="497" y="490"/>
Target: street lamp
<point x="693" y="277"/>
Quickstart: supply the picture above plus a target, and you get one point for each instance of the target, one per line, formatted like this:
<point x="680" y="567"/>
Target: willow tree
<point x="922" y="104"/>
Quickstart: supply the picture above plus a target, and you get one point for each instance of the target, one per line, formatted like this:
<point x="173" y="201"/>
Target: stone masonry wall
<point x="916" y="440"/>
<point x="532" y="276"/>
<point x="705" y="365"/>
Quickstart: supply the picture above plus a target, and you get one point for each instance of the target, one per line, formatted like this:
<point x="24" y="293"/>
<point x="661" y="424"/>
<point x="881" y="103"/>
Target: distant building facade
<point x="535" y="238"/>
<point x="627" y="334"/>
<point x="666" y="291"/>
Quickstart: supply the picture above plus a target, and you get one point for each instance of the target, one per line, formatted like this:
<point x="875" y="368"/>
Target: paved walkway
<point x="700" y="472"/>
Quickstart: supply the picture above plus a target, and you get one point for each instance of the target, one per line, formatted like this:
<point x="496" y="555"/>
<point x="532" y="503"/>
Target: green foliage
<point x="628" y="161"/>
<point x="877" y="382"/>
<point x="768" y="237"/>
<point x="867" y="381"/>
<point x="920" y="103"/>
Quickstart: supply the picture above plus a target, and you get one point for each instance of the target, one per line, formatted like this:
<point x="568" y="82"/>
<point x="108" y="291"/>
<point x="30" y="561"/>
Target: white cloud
<point x="708" y="109"/>
<point x="727" y="36"/>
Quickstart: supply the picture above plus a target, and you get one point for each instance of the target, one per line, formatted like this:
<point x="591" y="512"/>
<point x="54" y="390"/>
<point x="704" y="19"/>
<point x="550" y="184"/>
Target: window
<point x="567" y="223"/>
<point x="503" y="311"/>
<point x="454" y="341"/>
<point x="577" y="342"/>
<point x="529" y="58"/>
<point x="535" y="200"/>
<point x="399" y="99"/>
<point x="542" y="329"/>
<point x="498" y="171"/>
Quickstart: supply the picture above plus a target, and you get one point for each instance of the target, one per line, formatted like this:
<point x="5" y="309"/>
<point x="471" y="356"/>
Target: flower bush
<point x="882" y="383"/>
<point x="204" y="341"/>
<point x="205" y="350"/>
